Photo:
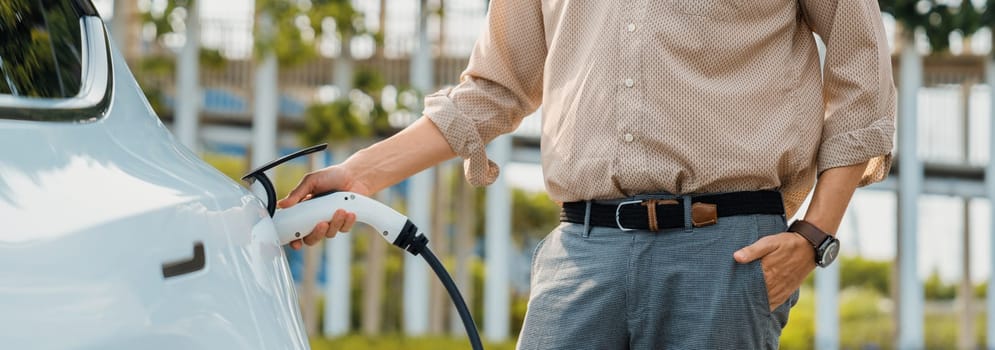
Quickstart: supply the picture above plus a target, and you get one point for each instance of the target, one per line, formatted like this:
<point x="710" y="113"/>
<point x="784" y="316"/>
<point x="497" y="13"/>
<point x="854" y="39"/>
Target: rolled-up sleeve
<point x="501" y="85"/>
<point x="858" y="88"/>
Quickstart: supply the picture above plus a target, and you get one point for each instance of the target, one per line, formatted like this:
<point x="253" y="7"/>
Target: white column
<point x="343" y="67"/>
<point x="827" y="315"/>
<point x="338" y="256"/>
<point x="910" y="325"/>
<point x="188" y="97"/>
<point x="119" y="23"/>
<point x="125" y="28"/>
<point x="265" y="99"/>
<point x="421" y="59"/>
<point x="966" y="339"/>
<point x="990" y="184"/>
<point x="416" y="274"/>
<point x="497" y="240"/>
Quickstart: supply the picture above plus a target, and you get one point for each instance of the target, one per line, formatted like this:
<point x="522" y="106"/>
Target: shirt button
<point x="629" y="82"/>
<point x="631" y="27"/>
<point x="628" y="137"/>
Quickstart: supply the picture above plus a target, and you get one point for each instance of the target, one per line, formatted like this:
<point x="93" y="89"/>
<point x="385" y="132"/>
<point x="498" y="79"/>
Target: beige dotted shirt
<point x="679" y="96"/>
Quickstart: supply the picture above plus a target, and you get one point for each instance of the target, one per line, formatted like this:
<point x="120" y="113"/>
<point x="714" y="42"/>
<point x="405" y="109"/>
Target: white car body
<point x="94" y="213"/>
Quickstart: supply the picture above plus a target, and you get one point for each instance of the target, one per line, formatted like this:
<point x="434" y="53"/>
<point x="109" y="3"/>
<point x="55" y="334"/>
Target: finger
<point x="331" y="231"/>
<point x="298" y="193"/>
<point x="296" y="245"/>
<point x="349" y="222"/>
<point x="338" y="220"/>
<point x="757" y="250"/>
<point x="316" y="234"/>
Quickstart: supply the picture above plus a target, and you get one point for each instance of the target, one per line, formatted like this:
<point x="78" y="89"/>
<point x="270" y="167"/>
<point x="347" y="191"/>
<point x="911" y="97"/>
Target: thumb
<point x="755" y="251"/>
<point x="298" y="193"/>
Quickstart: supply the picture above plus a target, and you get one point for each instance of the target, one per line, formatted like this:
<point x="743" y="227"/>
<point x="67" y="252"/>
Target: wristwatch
<point x="826" y="246"/>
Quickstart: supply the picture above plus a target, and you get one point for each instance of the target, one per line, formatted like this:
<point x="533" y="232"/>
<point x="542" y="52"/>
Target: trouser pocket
<point x="777" y="319"/>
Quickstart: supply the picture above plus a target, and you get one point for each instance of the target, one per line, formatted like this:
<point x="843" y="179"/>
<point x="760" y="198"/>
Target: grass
<point x="866" y="322"/>
<point x="398" y="342"/>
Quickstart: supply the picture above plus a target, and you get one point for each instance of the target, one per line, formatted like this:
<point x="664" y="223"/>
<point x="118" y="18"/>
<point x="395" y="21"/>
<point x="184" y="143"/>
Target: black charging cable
<point x="417" y="244"/>
<point x="408" y="239"/>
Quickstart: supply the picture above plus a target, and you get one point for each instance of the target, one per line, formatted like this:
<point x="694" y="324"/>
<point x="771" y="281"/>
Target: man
<point x="678" y="135"/>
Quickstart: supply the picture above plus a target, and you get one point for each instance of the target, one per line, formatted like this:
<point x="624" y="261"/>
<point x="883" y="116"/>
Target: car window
<point x="41" y="53"/>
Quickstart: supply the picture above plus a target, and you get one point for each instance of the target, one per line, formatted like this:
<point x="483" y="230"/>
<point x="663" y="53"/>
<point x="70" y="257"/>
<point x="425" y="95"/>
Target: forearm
<point x="418" y="147"/>
<point x="832" y="195"/>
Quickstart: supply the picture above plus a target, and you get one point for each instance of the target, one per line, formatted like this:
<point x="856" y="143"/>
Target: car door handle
<point x="182" y="267"/>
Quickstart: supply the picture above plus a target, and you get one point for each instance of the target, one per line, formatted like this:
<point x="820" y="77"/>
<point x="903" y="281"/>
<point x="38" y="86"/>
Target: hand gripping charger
<point x="296" y="222"/>
<point x="292" y="225"/>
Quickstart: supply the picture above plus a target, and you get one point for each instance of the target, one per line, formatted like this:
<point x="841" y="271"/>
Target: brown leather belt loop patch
<point x="704" y="214"/>
<point x="650" y="205"/>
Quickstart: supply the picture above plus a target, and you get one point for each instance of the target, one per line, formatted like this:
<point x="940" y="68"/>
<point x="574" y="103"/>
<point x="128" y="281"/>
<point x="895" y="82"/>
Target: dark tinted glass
<point x="40" y="48"/>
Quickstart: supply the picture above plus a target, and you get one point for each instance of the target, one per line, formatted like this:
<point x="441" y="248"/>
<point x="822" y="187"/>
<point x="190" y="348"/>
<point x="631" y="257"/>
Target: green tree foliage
<point x="865" y="318"/>
<point x="968" y="18"/>
<point x="165" y="22"/>
<point x="938" y="18"/>
<point x="348" y="21"/>
<point x="988" y="16"/>
<point x="935" y="289"/>
<point x="533" y="214"/>
<point x="296" y="23"/>
<point x="372" y="83"/>
<point x="359" y="114"/>
<point x="332" y="122"/>
<point x="161" y="63"/>
<point x="857" y="272"/>
<point x="172" y="19"/>
<point x="871" y="274"/>
<point x="284" y="37"/>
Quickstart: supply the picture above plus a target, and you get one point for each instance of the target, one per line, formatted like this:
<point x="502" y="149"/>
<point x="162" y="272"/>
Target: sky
<point x="872" y="212"/>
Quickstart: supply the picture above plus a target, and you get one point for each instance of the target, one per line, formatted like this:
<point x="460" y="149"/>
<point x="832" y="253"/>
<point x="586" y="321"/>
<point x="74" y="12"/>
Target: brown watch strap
<point x="813" y="234"/>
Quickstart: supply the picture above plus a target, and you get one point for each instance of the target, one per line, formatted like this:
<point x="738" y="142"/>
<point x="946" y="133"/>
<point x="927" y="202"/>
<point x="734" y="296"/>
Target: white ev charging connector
<point x="295" y="222"/>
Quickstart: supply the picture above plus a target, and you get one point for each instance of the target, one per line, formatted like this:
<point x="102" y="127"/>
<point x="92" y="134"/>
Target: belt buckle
<point x="618" y="211"/>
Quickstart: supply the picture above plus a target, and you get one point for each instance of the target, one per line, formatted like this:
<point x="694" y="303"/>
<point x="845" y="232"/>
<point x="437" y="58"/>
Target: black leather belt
<point x="669" y="213"/>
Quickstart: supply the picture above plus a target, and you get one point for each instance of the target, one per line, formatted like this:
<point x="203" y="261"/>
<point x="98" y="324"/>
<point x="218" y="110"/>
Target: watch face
<point x="829" y="252"/>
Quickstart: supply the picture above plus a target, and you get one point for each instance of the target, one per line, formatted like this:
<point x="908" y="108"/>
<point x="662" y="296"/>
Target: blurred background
<point x="242" y="82"/>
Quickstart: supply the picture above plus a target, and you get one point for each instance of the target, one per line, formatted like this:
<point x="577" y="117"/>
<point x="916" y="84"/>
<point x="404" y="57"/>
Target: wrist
<point x="826" y="246"/>
<point x="800" y="240"/>
<point x="357" y="176"/>
<point x="829" y="226"/>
